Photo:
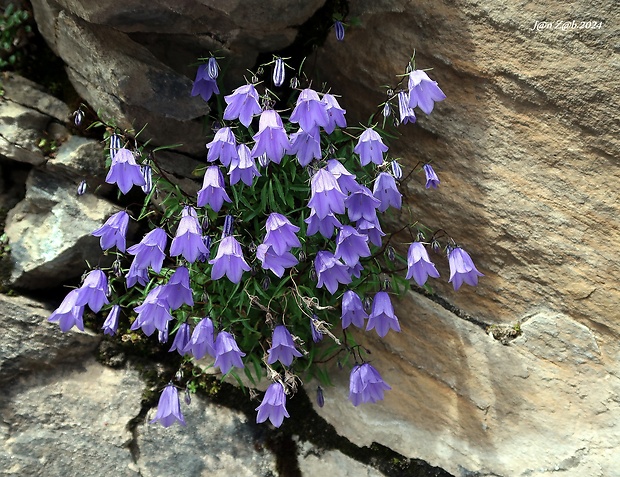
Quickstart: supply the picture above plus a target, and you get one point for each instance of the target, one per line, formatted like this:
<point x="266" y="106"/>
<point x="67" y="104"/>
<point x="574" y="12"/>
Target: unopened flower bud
<point x="78" y="117"/>
<point x="205" y="223"/>
<point x="163" y="335"/>
<point x="397" y="171"/>
<point x="81" y="190"/>
<point x="204" y="298"/>
<point x="260" y="71"/>
<point x="213" y="68"/>
<point x="228" y="226"/>
<point x="116" y="268"/>
<point x="108" y="292"/>
<point x="339" y="29"/>
<point x="313" y="274"/>
<point x="294" y="82"/>
<point x="188" y="397"/>
<point x="389" y="251"/>
<point x="386" y="284"/>
<point x="320" y="399"/>
<point x="206" y="240"/>
<point x="435" y="246"/>
<point x="266" y="283"/>
<point x="387" y="110"/>
<point x="263" y="160"/>
<point x="302" y="256"/>
<point x="216" y="126"/>
<point x="254" y="79"/>
<point x="278" y="72"/>
<point x="367" y="304"/>
<point x="147" y="173"/>
<point x="115" y="144"/>
<point x="179" y="375"/>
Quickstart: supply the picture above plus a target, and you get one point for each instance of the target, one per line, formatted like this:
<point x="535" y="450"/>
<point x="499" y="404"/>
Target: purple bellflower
<point x="335" y="113"/>
<point x="213" y="192"/>
<point x="242" y="104"/>
<point x="136" y="274"/>
<point x="124" y="171"/>
<point x="423" y="91"/>
<point x="310" y="112"/>
<point x="407" y="114"/>
<point x="281" y="234"/>
<point x="244" y="168"/>
<point x="153" y="313"/>
<point x="110" y="325"/>
<point x="431" y="177"/>
<point x="201" y="341"/>
<point x="69" y="314"/>
<point x="113" y="232"/>
<point x="370" y="147"/>
<point x="462" y="268"/>
<point x="366" y="385"/>
<point x="93" y="291"/>
<point x="372" y="229"/>
<point x="325" y="226"/>
<point x="188" y="239"/>
<point x="330" y="271"/>
<point x="382" y="316"/>
<point x="355" y="270"/>
<point x="229" y="261"/>
<point x="270" y="260"/>
<point x="345" y="179"/>
<point x="169" y="407"/>
<point x="361" y="204"/>
<point x="282" y="347"/>
<point x="386" y="191"/>
<point x="271" y="138"/>
<point x="178" y="290"/>
<point x="223" y="147"/>
<point x="150" y="251"/>
<point x="326" y="196"/>
<point x="306" y="145"/>
<point x="204" y="84"/>
<point x="352" y="310"/>
<point x="181" y="339"/>
<point x="273" y="406"/>
<point x="419" y="266"/>
<point x="227" y="353"/>
<point x="351" y="245"/>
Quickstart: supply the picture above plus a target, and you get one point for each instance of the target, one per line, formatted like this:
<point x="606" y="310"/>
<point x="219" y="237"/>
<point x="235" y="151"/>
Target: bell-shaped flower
<point x="366" y="384"/>
<point x="150" y="251"/>
<point x="227" y="353"/>
<point x="113" y="232"/>
<point x="352" y="310"/>
<point x="110" y="325"/>
<point x="169" y="407"/>
<point x="273" y="406"/>
<point x="310" y="112"/>
<point x="423" y="91"/>
<point x="372" y="229"/>
<point x="124" y="171"/>
<point x="462" y="268"/>
<point x="325" y="226"/>
<point x="213" y="192"/>
<point x="361" y="204"/>
<point x="188" y="239"/>
<point x="326" y="196"/>
<point x="178" y="290"/>
<point x="242" y="104"/>
<point x="136" y="275"/>
<point x="306" y="145"/>
<point x="419" y="266"/>
<point x="330" y="271"/>
<point x="270" y="260"/>
<point x="351" y="245"/>
<point x="201" y="341"/>
<point x="407" y="115"/>
<point x="153" y="313"/>
<point x="370" y="147"/>
<point x="345" y="179"/>
<point x="229" y="261"/>
<point x="281" y="233"/>
<point x="69" y="314"/>
<point x="93" y="291"/>
<point x="431" y="177"/>
<point x="181" y="339"/>
<point x="204" y="84"/>
<point x="382" y="316"/>
<point x="335" y="114"/>
<point x="223" y="147"/>
<point x="271" y="138"/>
<point x="282" y="347"/>
<point x="386" y="190"/>
<point x="244" y="168"/>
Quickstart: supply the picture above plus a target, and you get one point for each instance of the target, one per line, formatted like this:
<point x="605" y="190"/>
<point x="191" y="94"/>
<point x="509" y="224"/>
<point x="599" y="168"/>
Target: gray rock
<point x="313" y="461"/>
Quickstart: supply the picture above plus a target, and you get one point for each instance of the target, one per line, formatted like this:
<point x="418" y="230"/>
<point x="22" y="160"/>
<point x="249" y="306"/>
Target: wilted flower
<point x="213" y="192"/>
<point x="69" y="314"/>
<point x="271" y="138"/>
<point x="281" y="234"/>
<point x="178" y="290"/>
<point x="273" y="406"/>
<point x="330" y="271"/>
<point x="150" y="251"/>
<point x="316" y="334"/>
<point x="306" y="146"/>
<point x="113" y="232"/>
<point x="201" y="341"/>
<point x="352" y="310"/>
<point x="462" y="268"/>
<point x="204" y="84"/>
<point x="93" y="291"/>
<point x="386" y="191"/>
<point x="351" y="245"/>
<point x="382" y="316"/>
<point x="244" y="168"/>
<point x="326" y="196"/>
<point x="407" y="115"/>
<point x="81" y="190"/>
<point x="370" y="147"/>
<point x="339" y="29"/>
<point x="229" y="261"/>
<point x="213" y="68"/>
<point x="223" y="147"/>
<point x="270" y="260"/>
<point x="423" y="91"/>
<point x="431" y="178"/>
<point x="278" y="72"/>
<point x="227" y="353"/>
<point x="335" y="114"/>
<point x="310" y="112"/>
<point x="242" y="104"/>
<point x="282" y="347"/>
<point x="110" y="325"/>
<point x="153" y="313"/>
<point x="169" y="407"/>
<point x="181" y="339"/>
<point x="419" y="266"/>
<point x="124" y="171"/>
<point x="366" y="384"/>
<point x="188" y="239"/>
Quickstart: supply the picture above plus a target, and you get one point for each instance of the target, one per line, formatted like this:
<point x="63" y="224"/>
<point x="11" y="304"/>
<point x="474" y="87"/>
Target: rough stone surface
<point x="313" y="461"/>
<point x="49" y="231"/>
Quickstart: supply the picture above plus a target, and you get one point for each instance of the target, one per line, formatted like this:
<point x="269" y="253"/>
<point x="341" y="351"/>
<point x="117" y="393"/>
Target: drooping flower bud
<point x="278" y="72"/>
<point x="81" y="190"/>
<point x="228" y="226"/>
<point x="294" y="82"/>
<point x="188" y="397"/>
<point x="320" y="399"/>
<point x="147" y="173"/>
<point x="115" y="144"/>
<point x="397" y="171"/>
<point x="266" y="283"/>
<point x="212" y="68"/>
<point x="78" y="117"/>
<point x="339" y="29"/>
<point x="390" y="253"/>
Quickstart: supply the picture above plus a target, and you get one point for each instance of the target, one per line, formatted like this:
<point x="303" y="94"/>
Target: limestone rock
<point x="316" y="462"/>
